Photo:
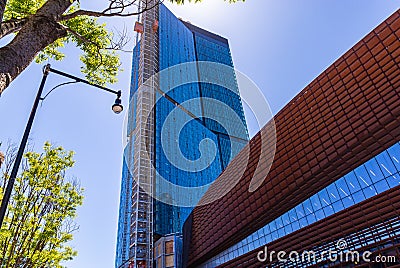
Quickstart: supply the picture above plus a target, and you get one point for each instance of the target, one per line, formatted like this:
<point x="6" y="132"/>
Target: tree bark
<point x="2" y="8"/>
<point x="11" y="26"/>
<point x="39" y="31"/>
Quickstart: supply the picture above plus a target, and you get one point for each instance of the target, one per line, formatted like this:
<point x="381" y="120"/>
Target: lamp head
<point x="117" y="107"/>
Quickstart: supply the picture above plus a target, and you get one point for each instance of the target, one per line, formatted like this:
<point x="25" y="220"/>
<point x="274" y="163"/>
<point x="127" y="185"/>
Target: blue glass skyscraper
<point x="169" y="121"/>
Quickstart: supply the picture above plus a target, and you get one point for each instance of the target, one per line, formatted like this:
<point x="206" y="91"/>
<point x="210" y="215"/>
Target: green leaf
<point x="40" y="215"/>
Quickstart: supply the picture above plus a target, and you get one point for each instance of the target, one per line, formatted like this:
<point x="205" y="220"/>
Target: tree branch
<point x="11" y="26"/>
<point x="121" y="41"/>
<point x="111" y="11"/>
<point x="97" y="14"/>
<point x="85" y="40"/>
<point x="80" y="37"/>
<point x="54" y="8"/>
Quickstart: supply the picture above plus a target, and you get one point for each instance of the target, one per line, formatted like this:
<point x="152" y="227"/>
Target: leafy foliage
<point x="17" y="9"/>
<point x="39" y="218"/>
<point x="100" y="64"/>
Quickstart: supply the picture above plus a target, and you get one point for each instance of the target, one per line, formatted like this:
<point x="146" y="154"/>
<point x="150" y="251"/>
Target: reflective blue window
<point x="267" y="229"/>
<point x="369" y="191"/>
<point x="279" y="223"/>
<point x="273" y="226"/>
<point x="319" y="214"/>
<point x="316" y="202"/>
<point x="359" y="197"/>
<point x="296" y="226"/>
<point x="288" y="228"/>
<point x="285" y="218"/>
<point x="374" y="170"/>
<point x="393" y="180"/>
<point x="348" y="201"/>
<point x="381" y="186"/>
<point x="303" y="222"/>
<point x="333" y="193"/>
<point x="308" y="207"/>
<point x="311" y="218"/>
<point x="352" y="182"/>
<point x="329" y="210"/>
<point x="362" y="174"/>
<point x="338" y="206"/>
<point x="386" y="164"/>
<point x="274" y="235"/>
<point x="300" y="211"/>
<point x="292" y="215"/>
<point x="394" y="153"/>
<point x="341" y="184"/>
<point x="281" y="232"/>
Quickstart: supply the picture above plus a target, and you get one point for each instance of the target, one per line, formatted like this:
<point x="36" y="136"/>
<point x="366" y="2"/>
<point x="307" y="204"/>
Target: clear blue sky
<point x="281" y="45"/>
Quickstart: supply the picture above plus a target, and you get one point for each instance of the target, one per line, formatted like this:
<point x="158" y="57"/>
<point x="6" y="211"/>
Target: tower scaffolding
<point x="142" y="149"/>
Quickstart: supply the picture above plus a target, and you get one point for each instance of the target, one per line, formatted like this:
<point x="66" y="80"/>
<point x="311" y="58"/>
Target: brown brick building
<point x="335" y="174"/>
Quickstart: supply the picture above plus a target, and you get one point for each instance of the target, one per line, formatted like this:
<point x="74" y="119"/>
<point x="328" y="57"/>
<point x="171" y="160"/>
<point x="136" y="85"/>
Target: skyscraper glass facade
<point x="179" y="43"/>
<point x="123" y="241"/>
<point x="125" y="207"/>
<point x="198" y="124"/>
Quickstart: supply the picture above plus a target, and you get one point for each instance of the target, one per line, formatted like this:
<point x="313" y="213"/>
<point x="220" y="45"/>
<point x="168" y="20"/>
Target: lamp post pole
<point x="21" y="149"/>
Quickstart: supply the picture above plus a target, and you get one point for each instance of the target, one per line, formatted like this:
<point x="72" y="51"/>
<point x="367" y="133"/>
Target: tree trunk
<point x="37" y="33"/>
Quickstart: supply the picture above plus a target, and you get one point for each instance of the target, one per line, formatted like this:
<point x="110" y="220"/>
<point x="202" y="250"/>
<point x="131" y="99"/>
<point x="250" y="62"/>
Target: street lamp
<point x="117" y="108"/>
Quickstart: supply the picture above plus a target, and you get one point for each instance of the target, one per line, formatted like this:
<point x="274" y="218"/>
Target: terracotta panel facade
<point x="347" y="115"/>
